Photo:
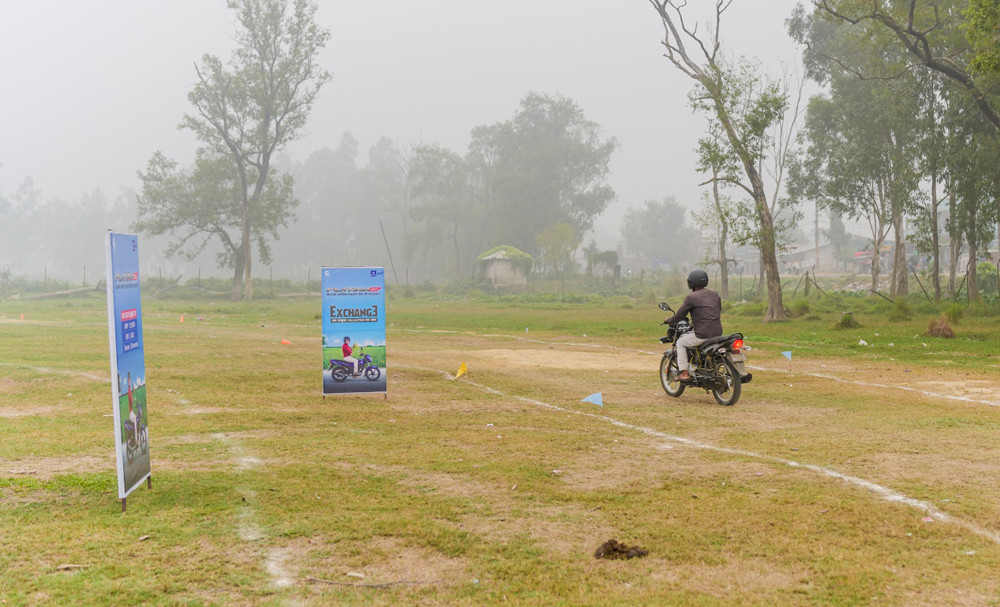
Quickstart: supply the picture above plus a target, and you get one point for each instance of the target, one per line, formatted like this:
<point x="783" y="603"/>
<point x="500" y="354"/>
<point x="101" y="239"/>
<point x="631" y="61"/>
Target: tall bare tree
<point x="745" y="105"/>
<point x="257" y="103"/>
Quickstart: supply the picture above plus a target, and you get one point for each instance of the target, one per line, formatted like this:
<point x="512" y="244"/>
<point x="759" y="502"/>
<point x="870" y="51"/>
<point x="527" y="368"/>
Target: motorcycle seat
<point x="711" y="341"/>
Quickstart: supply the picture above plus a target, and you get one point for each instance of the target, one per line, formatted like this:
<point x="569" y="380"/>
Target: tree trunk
<point x="900" y="284"/>
<point x="236" y="290"/>
<point x="248" y="256"/>
<point x="775" y="306"/>
<point x="954" y="245"/>
<point x="876" y="269"/>
<point x="971" y="231"/>
<point x="935" y="240"/>
<point x="971" y="284"/>
<point x="761" y="274"/>
<point x="723" y="237"/>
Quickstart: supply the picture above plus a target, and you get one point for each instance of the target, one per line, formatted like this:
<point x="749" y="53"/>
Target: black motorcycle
<point x="719" y="364"/>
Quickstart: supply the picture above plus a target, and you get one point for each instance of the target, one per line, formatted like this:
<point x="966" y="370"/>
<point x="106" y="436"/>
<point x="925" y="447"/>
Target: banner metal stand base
<point x="149" y="485"/>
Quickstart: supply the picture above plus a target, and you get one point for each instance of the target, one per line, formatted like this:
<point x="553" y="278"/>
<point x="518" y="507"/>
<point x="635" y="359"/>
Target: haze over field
<point x="93" y="89"/>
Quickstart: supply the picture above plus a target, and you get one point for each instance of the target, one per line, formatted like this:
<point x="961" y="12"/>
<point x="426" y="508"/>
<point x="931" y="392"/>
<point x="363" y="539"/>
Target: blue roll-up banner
<point x="128" y="364"/>
<point x="354" y="357"/>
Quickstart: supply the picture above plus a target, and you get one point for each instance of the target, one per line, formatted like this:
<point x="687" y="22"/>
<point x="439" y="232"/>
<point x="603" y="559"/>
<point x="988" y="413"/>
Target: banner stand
<point x="149" y="484"/>
<point x="128" y="365"/>
<point x="353" y="337"/>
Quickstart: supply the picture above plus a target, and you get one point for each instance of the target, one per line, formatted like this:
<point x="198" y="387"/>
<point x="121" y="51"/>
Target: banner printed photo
<point x="354" y="348"/>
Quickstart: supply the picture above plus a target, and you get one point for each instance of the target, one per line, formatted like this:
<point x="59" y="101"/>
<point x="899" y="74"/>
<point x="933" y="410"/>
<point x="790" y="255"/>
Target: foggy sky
<point x="91" y="89"/>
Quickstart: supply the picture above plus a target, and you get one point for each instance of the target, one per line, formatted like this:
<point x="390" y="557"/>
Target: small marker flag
<point x="285" y="342"/>
<point x="462" y="370"/>
<point x="22" y="315"/>
<point x="594" y="398"/>
<point x="787" y="354"/>
<point x="182" y="318"/>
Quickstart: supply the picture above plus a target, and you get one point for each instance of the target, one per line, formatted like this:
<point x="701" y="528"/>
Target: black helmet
<point x="697" y="278"/>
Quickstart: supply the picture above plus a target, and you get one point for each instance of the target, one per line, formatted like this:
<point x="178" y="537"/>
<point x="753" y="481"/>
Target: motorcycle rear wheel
<point x="727" y="370"/>
<point x="339" y="373"/>
<point x="668" y="375"/>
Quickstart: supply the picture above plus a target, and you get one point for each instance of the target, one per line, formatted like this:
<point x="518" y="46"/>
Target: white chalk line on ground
<point x="72" y="372"/>
<point x="967" y="399"/>
<point x="883" y="492"/>
<point x="856" y="382"/>
<point x="249" y="530"/>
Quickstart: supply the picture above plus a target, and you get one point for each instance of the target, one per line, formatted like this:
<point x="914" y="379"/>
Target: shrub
<point x="900" y="311"/>
<point x="847" y="321"/>
<point x="800" y="307"/>
<point x="939" y="327"/>
<point x="986" y="277"/>
<point x="954" y="313"/>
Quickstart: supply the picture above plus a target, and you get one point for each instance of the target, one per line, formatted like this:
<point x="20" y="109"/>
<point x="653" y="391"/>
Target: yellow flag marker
<point x="461" y="371"/>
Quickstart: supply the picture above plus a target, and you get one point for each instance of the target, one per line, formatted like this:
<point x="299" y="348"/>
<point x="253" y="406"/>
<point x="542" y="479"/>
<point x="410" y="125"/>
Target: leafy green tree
<point x="246" y="111"/>
<point x="327" y="217"/>
<point x="865" y="135"/>
<point x="982" y="25"/>
<point x="909" y="33"/>
<point x="441" y="209"/>
<point x="204" y="204"/>
<point x="545" y="166"/>
<point x="746" y="105"/>
<point x="658" y="233"/>
<point x="973" y="147"/>
<point x="557" y="244"/>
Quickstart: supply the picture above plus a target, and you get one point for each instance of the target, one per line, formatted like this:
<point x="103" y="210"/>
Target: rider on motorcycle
<point x="705" y="307"/>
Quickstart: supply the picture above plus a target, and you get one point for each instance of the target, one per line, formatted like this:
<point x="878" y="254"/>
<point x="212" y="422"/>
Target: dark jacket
<point x="705" y="307"/>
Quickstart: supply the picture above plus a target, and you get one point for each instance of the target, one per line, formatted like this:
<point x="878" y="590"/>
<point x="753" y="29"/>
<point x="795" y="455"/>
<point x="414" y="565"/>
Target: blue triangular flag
<point x="787" y="354"/>
<point x="594" y="398"/>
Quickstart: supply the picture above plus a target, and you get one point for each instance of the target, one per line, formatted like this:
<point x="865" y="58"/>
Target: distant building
<point x="506" y="267"/>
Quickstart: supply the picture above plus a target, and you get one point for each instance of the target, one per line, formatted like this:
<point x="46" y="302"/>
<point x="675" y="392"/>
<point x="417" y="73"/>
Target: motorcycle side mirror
<point x="665" y="306"/>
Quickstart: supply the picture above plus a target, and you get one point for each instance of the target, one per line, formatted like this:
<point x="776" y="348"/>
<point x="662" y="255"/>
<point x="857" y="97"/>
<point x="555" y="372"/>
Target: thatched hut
<point x="507" y="267"/>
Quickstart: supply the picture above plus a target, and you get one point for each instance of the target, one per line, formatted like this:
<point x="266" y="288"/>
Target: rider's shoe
<point x="684" y="376"/>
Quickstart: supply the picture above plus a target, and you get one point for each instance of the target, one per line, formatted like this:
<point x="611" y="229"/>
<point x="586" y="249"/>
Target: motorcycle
<point x="137" y="439"/>
<point x="341" y="369"/>
<point x="719" y="364"/>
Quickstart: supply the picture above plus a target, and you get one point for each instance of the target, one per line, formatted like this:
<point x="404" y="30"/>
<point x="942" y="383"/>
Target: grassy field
<point x="851" y="475"/>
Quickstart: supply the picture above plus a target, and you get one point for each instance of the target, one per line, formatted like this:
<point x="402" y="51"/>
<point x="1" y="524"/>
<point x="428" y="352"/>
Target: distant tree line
<point x="906" y="130"/>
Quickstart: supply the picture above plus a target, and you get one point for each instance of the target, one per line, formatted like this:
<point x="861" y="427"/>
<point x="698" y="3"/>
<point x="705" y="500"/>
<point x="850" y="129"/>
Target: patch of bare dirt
<point x="46" y="468"/>
<point x="567" y="529"/>
<point x="382" y="560"/>
<point x="532" y="358"/>
<point x="9" y="386"/>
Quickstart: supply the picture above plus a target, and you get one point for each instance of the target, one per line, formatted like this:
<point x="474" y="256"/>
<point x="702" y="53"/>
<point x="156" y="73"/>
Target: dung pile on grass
<point x="847" y="321"/>
<point x="939" y="327"/>
<point x="612" y="549"/>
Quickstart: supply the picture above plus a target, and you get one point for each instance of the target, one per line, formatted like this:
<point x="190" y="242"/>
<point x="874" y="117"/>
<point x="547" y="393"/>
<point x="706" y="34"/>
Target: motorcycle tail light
<point x="737" y="345"/>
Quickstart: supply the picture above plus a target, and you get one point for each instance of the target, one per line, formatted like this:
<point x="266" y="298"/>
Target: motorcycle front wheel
<point x="668" y="375"/>
<point x="728" y="393"/>
<point x="373" y="373"/>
